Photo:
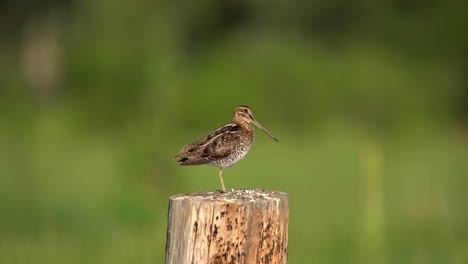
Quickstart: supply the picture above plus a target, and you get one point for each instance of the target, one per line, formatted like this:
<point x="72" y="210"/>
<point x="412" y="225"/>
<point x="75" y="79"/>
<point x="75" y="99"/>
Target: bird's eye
<point x="245" y="111"/>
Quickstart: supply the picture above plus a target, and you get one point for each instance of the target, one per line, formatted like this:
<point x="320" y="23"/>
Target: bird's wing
<point x="221" y="146"/>
<point x="214" y="146"/>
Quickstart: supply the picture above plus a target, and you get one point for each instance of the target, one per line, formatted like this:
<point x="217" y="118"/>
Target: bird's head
<point x="243" y="114"/>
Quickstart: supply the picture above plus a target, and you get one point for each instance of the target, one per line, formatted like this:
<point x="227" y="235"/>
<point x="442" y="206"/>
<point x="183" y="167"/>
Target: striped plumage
<point x="226" y="145"/>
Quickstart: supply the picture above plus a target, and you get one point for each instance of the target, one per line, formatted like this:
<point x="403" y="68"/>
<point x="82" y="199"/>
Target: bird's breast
<point x="238" y="153"/>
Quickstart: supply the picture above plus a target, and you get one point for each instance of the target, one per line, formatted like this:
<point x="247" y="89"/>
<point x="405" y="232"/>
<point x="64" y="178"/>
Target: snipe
<point x="226" y="145"/>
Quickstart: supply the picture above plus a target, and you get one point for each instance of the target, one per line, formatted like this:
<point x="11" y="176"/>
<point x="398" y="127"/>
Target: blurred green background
<point x="369" y="101"/>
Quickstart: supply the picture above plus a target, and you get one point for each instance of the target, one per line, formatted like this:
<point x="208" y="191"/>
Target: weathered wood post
<point x="239" y="226"/>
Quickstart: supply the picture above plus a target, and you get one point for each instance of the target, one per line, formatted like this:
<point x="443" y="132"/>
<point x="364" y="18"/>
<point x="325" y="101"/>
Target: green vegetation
<point x="369" y="103"/>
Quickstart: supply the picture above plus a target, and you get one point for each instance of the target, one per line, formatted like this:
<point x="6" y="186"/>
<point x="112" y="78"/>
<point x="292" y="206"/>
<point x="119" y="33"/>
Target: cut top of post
<point x="241" y="195"/>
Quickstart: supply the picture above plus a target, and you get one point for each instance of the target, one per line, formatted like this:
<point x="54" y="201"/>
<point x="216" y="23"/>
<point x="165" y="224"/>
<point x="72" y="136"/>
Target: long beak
<point x="264" y="129"/>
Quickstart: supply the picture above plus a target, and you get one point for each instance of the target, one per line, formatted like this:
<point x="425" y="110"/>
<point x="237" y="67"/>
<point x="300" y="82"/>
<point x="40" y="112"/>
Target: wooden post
<point x="239" y="226"/>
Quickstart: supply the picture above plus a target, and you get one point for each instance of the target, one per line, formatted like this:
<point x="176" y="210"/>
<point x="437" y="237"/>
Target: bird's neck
<point x="244" y="124"/>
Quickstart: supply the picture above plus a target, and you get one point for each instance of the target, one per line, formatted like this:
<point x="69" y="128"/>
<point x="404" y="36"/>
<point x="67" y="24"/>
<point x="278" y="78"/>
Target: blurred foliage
<point x="368" y="99"/>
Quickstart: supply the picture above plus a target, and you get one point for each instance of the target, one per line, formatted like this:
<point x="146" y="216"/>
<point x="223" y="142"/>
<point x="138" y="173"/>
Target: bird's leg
<point x="221" y="178"/>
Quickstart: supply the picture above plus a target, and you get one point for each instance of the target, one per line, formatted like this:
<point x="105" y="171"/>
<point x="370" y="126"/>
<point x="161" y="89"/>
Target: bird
<point x="226" y="145"/>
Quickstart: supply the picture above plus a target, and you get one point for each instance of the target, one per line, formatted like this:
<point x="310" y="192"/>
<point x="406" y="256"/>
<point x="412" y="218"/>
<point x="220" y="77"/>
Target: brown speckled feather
<point x="216" y="145"/>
